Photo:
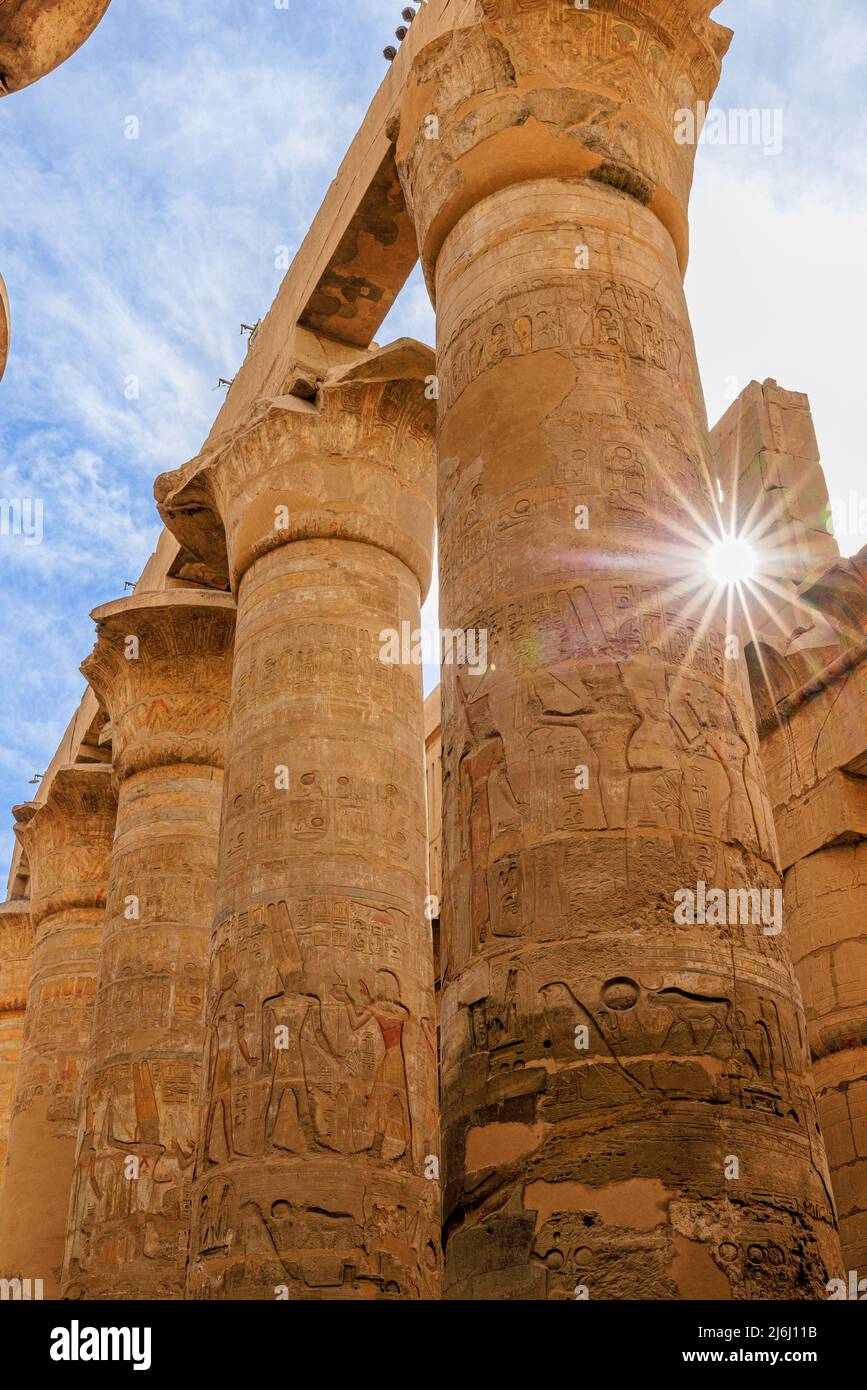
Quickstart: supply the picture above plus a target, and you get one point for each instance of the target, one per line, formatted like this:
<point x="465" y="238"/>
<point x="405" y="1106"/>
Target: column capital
<point x="39" y="35"/>
<point x="357" y="464"/>
<point x="68" y="840"/>
<point x="16" y="944"/>
<point x="544" y="89"/>
<point x="162" y="669"/>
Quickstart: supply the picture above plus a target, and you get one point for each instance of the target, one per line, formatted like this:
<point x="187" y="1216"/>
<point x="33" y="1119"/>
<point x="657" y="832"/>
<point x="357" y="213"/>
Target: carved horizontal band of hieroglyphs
<point x="174" y="1078"/>
<point x="583" y="314"/>
<point x="322" y="805"/>
<point x="383" y="1237"/>
<point x="553" y="892"/>
<point x="318" y="661"/>
<point x="777" y="1247"/>
<point x="611" y="621"/>
<point x="612" y="986"/>
<point x="170" y="1000"/>
<point x="535" y="544"/>
<point x="378" y="933"/>
<point x="163" y="896"/>
<point x="619" y="490"/>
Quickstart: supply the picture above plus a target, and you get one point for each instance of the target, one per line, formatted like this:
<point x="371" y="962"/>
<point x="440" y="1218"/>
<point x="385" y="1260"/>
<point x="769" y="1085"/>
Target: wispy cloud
<point x="131" y="264"/>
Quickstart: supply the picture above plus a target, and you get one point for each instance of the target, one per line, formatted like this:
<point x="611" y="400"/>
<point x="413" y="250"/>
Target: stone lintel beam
<point x="505" y="113"/>
<point x="159" y="667"/>
<point x="351" y="465"/>
<point x="36" y="36"/>
<point x="356" y="255"/>
<point x="370" y="264"/>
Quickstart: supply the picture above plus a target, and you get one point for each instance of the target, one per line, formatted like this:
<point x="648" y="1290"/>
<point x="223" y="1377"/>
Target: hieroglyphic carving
<point x="68" y="840"/>
<point x="162" y="667"/>
<point x="319" y="1100"/>
<point x="16" y="946"/>
<point x="600" y="1058"/>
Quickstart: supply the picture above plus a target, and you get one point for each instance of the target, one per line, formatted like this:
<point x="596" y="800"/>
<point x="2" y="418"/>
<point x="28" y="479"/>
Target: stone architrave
<point x="68" y="840"/>
<point x="16" y="948"/>
<point x="627" y="1109"/>
<point x="317" y="1167"/>
<point x="162" y="669"/>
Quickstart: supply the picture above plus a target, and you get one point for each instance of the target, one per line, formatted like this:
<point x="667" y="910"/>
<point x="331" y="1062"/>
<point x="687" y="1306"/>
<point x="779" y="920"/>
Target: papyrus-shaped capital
<point x="68" y="841"/>
<point x="162" y="669"/>
<point x="356" y="464"/>
<point x="544" y="89"/>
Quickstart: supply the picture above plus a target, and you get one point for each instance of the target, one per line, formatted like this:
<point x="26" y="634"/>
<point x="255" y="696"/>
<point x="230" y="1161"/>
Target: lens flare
<point x="732" y="561"/>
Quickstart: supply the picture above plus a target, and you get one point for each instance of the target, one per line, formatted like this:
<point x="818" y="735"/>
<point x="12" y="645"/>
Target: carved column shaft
<point x="16" y="948"/>
<point x="162" y="668"/>
<point x="68" y="842"/>
<point x="602" y="1061"/>
<point x="319" y="1107"/>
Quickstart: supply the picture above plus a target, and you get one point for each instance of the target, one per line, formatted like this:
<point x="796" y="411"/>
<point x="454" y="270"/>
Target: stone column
<point x="16" y="948"/>
<point x="68" y="841"/>
<point x="319" y="1108"/>
<point x="162" y="668"/>
<point x="626" y="1104"/>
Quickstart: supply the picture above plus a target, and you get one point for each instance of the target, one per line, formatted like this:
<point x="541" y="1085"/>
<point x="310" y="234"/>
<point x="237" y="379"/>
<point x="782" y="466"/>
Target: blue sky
<point x="141" y="258"/>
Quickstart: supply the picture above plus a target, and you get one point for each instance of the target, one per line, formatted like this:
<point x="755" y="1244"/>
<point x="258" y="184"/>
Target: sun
<point x="732" y="561"/>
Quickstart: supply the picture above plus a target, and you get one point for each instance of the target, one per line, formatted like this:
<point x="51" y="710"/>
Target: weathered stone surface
<point x="68" y="840"/>
<point x="768" y="464"/>
<point x="319" y="1106"/>
<point x="811" y="702"/>
<point x="551" y="215"/>
<point x="38" y="35"/>
<point x="5" y="326"/>
<point x="162" y="667"/>
<point x="16" y="947"/>
<point x="529" y="146"/>
<point x="826" y="900"/>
